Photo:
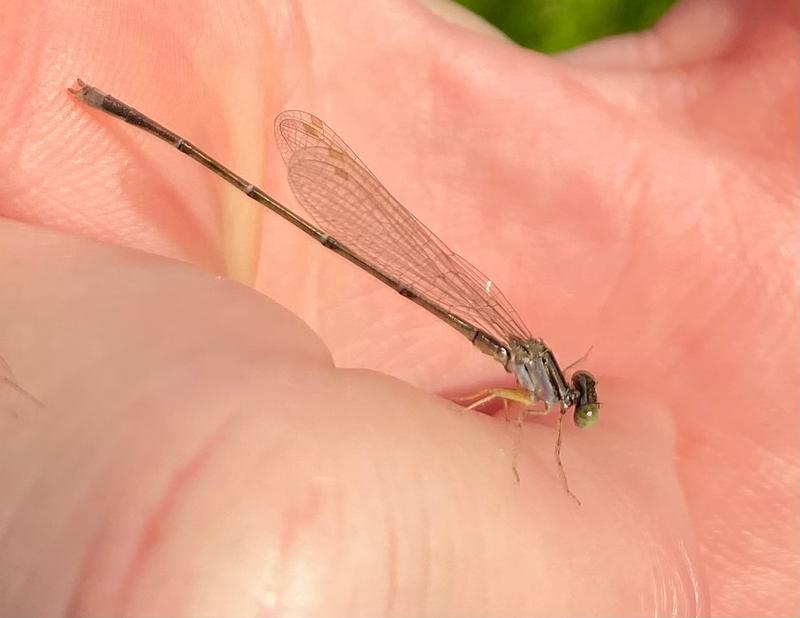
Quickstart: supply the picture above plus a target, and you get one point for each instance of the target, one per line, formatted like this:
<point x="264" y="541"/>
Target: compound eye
<point x="586" y="415"/>
<point x="587" y="410"/>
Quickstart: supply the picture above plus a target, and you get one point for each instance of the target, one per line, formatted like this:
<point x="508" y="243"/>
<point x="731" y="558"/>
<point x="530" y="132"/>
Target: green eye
<point x="586" y="415"/>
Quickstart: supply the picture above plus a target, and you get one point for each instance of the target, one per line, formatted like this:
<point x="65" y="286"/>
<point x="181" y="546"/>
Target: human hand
<point x="198" y="453"/>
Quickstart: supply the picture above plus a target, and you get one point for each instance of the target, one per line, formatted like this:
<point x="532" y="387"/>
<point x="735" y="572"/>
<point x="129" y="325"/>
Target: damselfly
<point x="360" y="220"/>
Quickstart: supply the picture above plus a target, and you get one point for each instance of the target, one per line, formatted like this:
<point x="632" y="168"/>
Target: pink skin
<point x="198" y="453"/>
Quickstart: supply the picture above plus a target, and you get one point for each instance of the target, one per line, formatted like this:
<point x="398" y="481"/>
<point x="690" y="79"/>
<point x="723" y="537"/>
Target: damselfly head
<point x="587" y="409"/>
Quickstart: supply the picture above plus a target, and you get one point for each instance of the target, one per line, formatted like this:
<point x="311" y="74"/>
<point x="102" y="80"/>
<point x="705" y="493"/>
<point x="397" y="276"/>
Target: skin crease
<point x="198" y="453"/>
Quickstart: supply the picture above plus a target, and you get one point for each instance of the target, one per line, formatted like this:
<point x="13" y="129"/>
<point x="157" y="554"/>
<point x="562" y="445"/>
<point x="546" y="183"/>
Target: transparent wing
<point x="348" y="202"/>
<point x="296" y="130"/>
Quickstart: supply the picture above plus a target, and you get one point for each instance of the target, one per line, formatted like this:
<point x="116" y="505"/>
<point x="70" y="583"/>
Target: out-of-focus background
<point x="555" y="25"/>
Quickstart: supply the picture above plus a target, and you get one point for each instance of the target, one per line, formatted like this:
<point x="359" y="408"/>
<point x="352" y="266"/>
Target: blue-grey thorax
<point x="537" y="371"/>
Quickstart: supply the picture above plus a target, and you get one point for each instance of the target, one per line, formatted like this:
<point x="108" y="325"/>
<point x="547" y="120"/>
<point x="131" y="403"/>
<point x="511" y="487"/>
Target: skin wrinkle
<point x="424" y="592"/>
<point x="300" y="37"/>
<point x="390" y="492"/>
<point x="26" y="56"/>
<point x="299" y="519"/>
<point x="695" y="583"/>
<point x="152" y="534"/>
<point x="452" y="562"/>
<point x="37" y="478"/>
<point x="38" y="485"/>
<point x="311" y="515"/>
<point x="445" y="548"/>
<point x="340" y="547"/>
<point x="75" y="604"/>
<point x="479" y="554"/>
<point x="681" y="586"/>
<point x="633" y="182"/>
<point x="390" y="532"/>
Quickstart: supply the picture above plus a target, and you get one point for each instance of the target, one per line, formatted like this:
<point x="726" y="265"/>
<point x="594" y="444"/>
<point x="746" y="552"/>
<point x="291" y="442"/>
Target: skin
<point x="198" y="452"/>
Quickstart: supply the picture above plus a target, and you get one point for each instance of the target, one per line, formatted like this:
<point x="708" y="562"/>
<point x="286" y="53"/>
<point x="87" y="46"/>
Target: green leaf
<point x="555" y="25"/>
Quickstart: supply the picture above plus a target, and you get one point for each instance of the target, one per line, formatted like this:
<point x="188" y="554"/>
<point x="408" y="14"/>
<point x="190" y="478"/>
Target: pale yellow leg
<point x="579" y="361"/>
<point x="518" y="435"/>
<point x="517" y="395"/>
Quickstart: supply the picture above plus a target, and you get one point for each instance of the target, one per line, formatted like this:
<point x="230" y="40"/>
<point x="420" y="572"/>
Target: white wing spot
<point x="488" y="286"/>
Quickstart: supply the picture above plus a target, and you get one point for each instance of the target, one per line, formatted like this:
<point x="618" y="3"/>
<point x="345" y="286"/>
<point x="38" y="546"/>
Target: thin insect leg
<point x="22" y="391"/>
<point x="11" y="381"/>
<point x="518" y="434"/>
<point x="5" y="368"/>
<point x="580" y="360"/>
<point x="517" y="448"/>
<point x="562" y="473"/>
<point x="505" y="410"/>
<point x="516" y="395"/>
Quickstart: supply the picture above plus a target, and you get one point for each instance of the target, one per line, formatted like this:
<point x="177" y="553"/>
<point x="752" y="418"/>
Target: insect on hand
<point x="360" y="220"/>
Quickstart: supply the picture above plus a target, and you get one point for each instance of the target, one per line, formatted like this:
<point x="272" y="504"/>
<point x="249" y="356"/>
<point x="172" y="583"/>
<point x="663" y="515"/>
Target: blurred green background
<point x="556" y="25"/>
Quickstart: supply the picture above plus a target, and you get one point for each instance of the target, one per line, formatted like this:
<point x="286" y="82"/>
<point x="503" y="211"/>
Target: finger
<point x="679" y="72"/>
<point x="200" y="456"/>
